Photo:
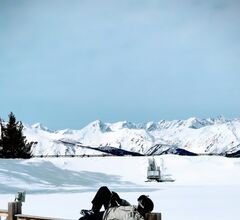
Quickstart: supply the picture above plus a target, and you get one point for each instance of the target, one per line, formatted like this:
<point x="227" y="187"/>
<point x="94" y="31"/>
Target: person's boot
<point x="86" y="212"/>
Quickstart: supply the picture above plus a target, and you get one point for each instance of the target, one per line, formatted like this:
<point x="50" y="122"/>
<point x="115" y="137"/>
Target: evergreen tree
<point x="12" y="142"/>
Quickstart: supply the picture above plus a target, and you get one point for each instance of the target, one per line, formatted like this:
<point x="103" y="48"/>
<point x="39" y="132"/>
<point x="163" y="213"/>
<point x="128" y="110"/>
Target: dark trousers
<point x="104" y="197"/>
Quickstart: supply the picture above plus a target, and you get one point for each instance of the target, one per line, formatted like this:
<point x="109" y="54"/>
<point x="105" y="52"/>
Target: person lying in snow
<point x="115" y="207"/>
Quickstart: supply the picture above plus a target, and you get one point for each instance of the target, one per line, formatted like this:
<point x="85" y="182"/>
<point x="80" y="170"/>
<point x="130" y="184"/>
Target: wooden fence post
<point x="153" y="216"/>
<point x="13" y="209"/>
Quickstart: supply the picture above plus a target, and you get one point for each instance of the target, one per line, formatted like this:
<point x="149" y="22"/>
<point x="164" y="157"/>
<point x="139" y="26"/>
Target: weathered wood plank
<point x="153" y="216"/>
<point x="3" y="212"/>
<point x="33" y="217"/>
<point x="13" y="209"/>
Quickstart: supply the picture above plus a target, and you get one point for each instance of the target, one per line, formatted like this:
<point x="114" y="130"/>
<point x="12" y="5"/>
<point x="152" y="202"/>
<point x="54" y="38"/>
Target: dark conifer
<point x="12" y="142"/>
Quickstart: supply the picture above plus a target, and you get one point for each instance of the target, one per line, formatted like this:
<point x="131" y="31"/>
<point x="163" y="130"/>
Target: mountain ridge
<point x="198" y="136"/>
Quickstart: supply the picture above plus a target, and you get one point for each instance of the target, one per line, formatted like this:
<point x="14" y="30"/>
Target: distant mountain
<point x="193" y="136"/>
<point x="160" y="149"/>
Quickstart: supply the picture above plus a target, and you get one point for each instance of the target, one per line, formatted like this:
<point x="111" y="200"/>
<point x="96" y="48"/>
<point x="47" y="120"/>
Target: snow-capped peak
<point x="97" y="125"/>
<point x="40" y="126"/>
<point x="122" y="124"/>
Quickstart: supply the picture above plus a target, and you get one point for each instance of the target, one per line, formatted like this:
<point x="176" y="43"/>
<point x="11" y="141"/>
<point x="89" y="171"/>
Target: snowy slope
<point x="201" y="136"/>
<point x="38" y="175"/>
<point x="204" y="188"/>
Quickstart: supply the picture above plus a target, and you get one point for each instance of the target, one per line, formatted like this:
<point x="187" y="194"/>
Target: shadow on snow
<point x="44" y="177"/>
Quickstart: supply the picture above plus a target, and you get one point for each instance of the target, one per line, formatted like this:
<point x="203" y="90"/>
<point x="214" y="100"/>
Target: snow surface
<point x="204" y="187"/>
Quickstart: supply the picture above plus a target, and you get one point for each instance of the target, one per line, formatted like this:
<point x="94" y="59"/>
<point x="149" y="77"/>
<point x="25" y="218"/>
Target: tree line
<point x="13" y="143"/>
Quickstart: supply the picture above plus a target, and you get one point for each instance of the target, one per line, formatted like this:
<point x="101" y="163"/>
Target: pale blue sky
<point x="68" y="63"/>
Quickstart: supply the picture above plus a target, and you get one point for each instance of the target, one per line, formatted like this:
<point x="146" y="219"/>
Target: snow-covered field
<point x="204" y="187"/>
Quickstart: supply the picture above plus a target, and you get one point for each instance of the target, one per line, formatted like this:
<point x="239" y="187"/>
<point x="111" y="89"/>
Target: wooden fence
<point x="14" y="212"/>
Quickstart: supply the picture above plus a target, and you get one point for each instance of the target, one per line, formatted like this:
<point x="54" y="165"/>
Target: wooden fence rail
<point x="14" y="212"/>
<point x="3" y="212"/>
<point x="34" y="217"/>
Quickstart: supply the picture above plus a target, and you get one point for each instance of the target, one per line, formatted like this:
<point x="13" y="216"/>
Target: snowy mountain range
<point x="218" y="136"/>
